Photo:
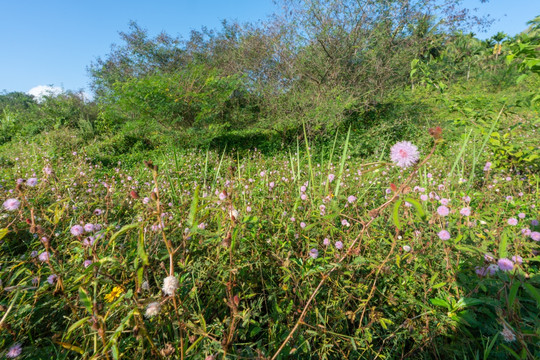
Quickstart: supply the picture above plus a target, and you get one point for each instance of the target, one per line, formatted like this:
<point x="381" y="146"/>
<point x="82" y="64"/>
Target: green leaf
<point x="395" y="214"/>
<point x="76" y="325"/>
<point x="140" y="249"/>
<point x="440" y="302"/>
<point x="533" y="292"/>
<point x="114" y="351"/>
<point x="513" y="292"/>
<point x="85" y="300"/>
<point x="3" y="232"/>
<point x="419" y="209"/>
<point x="123" y="230"/>
<point x="470" y="249"/>
<point x="503" y="244"/>
<point x="436" y="286"/>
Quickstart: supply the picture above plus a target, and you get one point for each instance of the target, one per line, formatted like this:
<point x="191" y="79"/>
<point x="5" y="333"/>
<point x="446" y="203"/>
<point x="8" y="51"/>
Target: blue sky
<point x="52" y="42"/>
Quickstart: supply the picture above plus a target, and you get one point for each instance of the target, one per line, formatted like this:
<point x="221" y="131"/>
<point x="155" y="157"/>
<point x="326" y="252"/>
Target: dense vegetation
<point x="349" y="179"/>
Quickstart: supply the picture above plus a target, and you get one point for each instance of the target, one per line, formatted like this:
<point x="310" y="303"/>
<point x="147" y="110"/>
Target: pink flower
<point x="11" y="204"/>
<point x="465" y="211"/>
<point x="326" y="242"/>
<point x="487" y="167"/>
<point x="351" y="199"/>
<point x="512" y="221"/>
<point x="302" y="225"/>
<point x="443" y="210"/>
<point x="517" y="259"/>
<point x="521" y="215"/>
<point x="44" y="256"/>
<point x="77" y="230"/>
<point x="14" y="351"/>
<point x="404" y="154"/>
<point x="89" y="227"/>
<point x="535" y="235"/>
<point x="32" y="182"/>
<point x="331" y="177"/>
<point x="492" y="269"/>
<point x="505" y="264"/>
<point x="87" y="263"/>
<point x="488" y="258"/>
<point x="481" y="271"/>
<point x="423" y="197"/>
<point x="314" y="253"/>
<point x="444" y="235"/>
<point x="339" y="245"/>
<point x="51" y="279"/>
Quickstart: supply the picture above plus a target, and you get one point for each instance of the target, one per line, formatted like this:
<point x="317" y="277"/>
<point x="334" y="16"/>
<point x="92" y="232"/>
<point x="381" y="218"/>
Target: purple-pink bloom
<point x="492" y="269"/>
<point x="44" y="256"/>
<point x="51" y="279"/>
<point x="87" y="263"/>
<point x="77" y="230"/>
<point x="517" y="259"/>
<point x="314" y="253"/>
<point x="326" y="242"/>
<point x="521" y="215"/>
<point x="535" y="235"/>
<point x="487" y="167"/>
<point x="14" y="351"/>
<point x="465" y="211"/>
<point x="443" y="210"/>
<point x="32" y="182"/>
<point x="505" y="264"/>
<point x="89" y="227"/>
<point x="444" y="235"/>
<point x="512" y="221"/>
<point x="303" y="225"/>
<point x="11" y="204"/>
<point x="481" y="271"/>
<point x="404" y="154"/>
<point x="423" y="197"/>
<point x="339" y="245"/>
<point x="351" y="199"/>
<point x="488" y="258"/>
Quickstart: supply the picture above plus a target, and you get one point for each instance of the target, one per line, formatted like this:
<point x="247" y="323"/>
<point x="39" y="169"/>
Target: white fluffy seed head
<point x="152" y="309"/>
<point x="170" y="284"/>
<point x="508" y="334"/>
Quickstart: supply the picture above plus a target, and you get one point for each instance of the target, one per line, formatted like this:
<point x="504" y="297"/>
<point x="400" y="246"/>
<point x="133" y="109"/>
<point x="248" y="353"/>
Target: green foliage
<point x="196" y="98"/>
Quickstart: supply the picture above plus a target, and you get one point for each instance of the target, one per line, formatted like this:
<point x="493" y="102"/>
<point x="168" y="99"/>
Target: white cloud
<point x="40" y="91"/>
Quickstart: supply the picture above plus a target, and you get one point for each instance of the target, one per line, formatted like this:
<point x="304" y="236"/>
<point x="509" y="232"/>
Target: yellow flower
<point x="116" y="292"/>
